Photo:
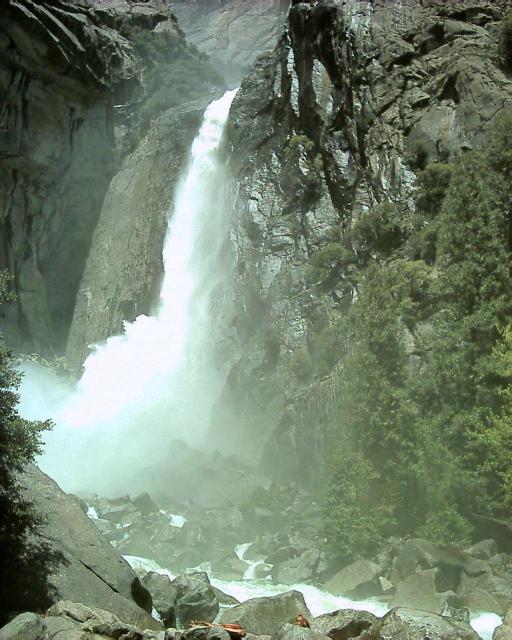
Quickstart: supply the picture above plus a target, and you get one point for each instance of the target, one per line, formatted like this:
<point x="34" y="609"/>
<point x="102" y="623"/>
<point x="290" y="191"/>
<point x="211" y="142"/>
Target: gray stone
<point x="484" y="549"/>
<point x="419" y="592"/>
<point x="357" y="577"/>
<point x="345" y="623"/>
<point x="264" y="616"/>
<point x="504" y="631"/>
<point x="164" y="596"/>
<point x="57" y="626"/>
<point x="293" y="632"/>
<point x="409" y="624"/>
<point x="195" y="599"/>
<point x="26" y="626"/>
<point x="91" y="572"/>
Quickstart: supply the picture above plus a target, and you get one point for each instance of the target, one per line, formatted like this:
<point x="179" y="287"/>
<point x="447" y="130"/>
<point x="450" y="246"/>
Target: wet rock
<point x="409" y="624"/>
<point x="164" y="596"/>
<point x="26" y="626"/>
<point x="358" y="578"/>
<point x="264" y="616"/>
<point x="342" y="624"/>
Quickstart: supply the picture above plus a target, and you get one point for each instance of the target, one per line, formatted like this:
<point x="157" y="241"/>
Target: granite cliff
<point x="355" y="99"/>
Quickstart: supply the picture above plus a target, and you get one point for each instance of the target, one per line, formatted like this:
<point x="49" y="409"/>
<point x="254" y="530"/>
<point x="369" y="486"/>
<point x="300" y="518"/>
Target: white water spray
<point x="155" y="381"/>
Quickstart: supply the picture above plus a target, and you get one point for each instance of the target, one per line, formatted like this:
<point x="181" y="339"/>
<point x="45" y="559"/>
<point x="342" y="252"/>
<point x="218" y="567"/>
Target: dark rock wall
<point x="321" y="131"/>
<point x="79" y="93"/>
<point x="63" y="69"/>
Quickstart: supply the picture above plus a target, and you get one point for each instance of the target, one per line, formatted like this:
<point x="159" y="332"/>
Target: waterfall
<point x="156" y="380"/>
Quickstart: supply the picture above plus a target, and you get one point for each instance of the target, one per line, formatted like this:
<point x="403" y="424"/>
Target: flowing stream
<point x="156" y="381"/>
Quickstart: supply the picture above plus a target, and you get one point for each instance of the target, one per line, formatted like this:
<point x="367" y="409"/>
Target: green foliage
<point x="355" y="514"/>
<point x="426" y="373"/>
<point x="19" y="444"/>
<point x="505" y="44"/>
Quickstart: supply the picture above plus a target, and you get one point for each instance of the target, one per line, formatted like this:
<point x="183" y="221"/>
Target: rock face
<point x="77" y="93"/>
<point x="129" y="235"/>
<point x="264" y="616"/>
<point x="232" y="32"/>
<point x="90" y="572"/>
<point x="322" y="129"/>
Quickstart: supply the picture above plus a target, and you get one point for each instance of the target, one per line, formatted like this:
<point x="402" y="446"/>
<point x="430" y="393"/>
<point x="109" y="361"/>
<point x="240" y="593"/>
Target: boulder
<point x="298" y="569"/>
<point x="410" y="624"/>
<point x="498" y="587"/>
<point x="498" y="530"/>
<point x="293" y="632"/>
<point x="195" y="599"/>
<point x="504" y="631"/>
<point x="419" y="592"/>
<point x="484" y="549"/>
<point x="206" y="633"/>
<point x="356" y="579"/>
<point x="91" y="571"/>
<point x="163" y="594"/>
<point x="264" y="616"/>
<point x="342" y="624"/>
<point x="145" y="504"/>
<point x="224" y="598"/>
<point x="26" y="626"/>
<point x="58" y="628"/>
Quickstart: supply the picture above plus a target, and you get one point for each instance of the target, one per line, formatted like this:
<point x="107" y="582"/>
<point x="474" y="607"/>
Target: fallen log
<point x="235" y="630"/>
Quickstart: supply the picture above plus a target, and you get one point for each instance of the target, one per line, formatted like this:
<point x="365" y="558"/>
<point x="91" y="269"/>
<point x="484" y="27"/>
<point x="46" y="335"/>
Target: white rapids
<point x="317" y="601"/>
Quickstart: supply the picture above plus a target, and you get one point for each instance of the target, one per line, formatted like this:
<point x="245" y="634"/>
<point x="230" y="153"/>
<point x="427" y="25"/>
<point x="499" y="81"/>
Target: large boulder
<point x="26" y="626"/>
<point x="163" y="594"/>
<point x="419" y="592"/>
<point x="91" y="571"/>
<point x="345" y="623"/>
<point x="195" y="599"/>
<point x="264" y="616"/>
<point x="294" y="632"/>
<point x="359" y="578"/>
<point x="504" y="631"/>
<point x="410" y="624"/>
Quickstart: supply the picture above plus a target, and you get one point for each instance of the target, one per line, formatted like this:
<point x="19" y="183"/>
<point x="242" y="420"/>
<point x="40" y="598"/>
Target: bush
<point x="25" y="563"/>
<point x="356" y="518"/>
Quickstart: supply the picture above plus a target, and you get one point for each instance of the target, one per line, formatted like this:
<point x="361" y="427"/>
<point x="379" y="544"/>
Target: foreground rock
<point x="345" y="623"/>
<point x="91" y="571"/>
<point x="74" y="621"/>
<point x="410" y="624"/>
<point x="264" y="616"/>
<point x="504" y="631"/>
<point x="293" y="632"/>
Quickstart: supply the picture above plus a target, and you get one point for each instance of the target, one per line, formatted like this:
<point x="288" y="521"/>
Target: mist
<point x="157" y="382"/>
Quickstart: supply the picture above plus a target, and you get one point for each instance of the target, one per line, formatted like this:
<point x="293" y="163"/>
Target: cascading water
<point x="155" y="381"/>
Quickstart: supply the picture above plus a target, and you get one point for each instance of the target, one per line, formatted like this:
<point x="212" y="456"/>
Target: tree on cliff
<point x="24" y="564"/>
